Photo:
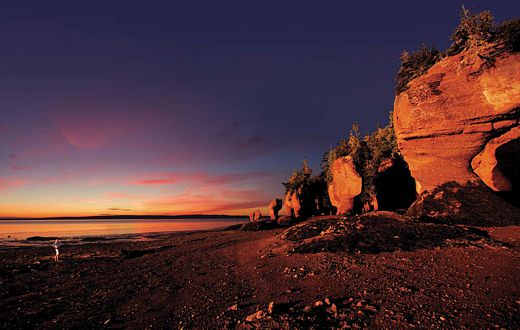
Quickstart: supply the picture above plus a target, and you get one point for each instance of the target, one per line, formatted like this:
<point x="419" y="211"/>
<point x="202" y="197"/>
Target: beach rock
<point x="472" y="204"/>
<point x="451" y="122"/>
<point x="285" y="220"/>
<point x="258" y="225"/>
<point x="376" y="232"/>
<point x="345" y="186"/>
<point x="41" y="238"/>
<point x="274" y="207"/>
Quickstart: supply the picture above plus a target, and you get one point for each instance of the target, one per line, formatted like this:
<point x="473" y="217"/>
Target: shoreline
<point x="37" y="241"/>
<point x="217" y="279"/>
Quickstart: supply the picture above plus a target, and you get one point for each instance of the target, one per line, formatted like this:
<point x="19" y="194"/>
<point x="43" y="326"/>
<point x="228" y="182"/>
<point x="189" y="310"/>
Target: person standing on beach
<point x="57" y="255"/>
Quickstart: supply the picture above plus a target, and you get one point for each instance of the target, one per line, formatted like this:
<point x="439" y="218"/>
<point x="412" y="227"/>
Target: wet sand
<point x="216" y="279"/>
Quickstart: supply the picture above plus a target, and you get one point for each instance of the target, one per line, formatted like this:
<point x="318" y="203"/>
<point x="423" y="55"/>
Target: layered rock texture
<point x="345" y="186"/>
<point x="459" y="121"/>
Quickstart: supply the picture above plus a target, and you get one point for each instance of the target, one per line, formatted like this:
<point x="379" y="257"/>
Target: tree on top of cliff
<point x="380" y="146"/>
<point x="353" y="146"/>
<point x="473" y="32"/>
<point x="414" y="65"/>
<point x="299" y="178"/>
<point x="509" y="33"/>
<point x="312" y="190"/>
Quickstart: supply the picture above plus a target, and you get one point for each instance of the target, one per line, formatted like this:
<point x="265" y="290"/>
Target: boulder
<point x="345" y="186"/>
<point x="274" y="207"/>
<point x="258" y="225"/>
<point x="451" y="121"/>
<point x="472" y="204"/>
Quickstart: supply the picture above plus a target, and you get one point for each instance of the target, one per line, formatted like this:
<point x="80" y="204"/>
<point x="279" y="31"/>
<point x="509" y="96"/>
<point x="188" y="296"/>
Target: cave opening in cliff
<point x="395" y="187"/>
<point x="508" y="164"/>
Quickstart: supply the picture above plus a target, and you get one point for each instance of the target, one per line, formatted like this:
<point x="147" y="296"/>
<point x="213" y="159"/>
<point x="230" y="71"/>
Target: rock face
<point x="274" y="207"/>
<point x="345" y="186"/>
<point x="506" y="150"/>
<point x="451" y="122"/>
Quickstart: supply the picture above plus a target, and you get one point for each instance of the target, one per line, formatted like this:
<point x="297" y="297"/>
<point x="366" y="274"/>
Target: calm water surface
<point x="21" y="229"/>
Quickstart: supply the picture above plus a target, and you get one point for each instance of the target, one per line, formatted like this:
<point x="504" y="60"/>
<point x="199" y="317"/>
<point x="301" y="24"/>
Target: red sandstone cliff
<point x="460" y="122"/>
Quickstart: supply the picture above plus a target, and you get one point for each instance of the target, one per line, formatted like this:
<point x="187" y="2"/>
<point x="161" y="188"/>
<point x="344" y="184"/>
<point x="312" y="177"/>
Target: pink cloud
<point x="155" y="181"/>
<point x="122" y="195"/>
<point x="6" y="184"/>
<point x="90" y="130"/>
<point x="14" y="159"/>
<point x="200" y="178"/>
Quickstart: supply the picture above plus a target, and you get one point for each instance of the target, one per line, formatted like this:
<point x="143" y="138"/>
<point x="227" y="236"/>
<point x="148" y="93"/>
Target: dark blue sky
<point x="150" y="90"/>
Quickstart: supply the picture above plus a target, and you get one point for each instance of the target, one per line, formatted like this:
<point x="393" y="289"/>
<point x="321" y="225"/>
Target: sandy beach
<point x="228" y="279"/>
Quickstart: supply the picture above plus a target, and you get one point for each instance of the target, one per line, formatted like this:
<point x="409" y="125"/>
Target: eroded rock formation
<point x="274" y="207"/>
<point x="452" y="122"/>
<point x="255" y="215"/>
<point x="293" y="204"/>
<point x="345" y="186"/>
<point x="496" y="164"/>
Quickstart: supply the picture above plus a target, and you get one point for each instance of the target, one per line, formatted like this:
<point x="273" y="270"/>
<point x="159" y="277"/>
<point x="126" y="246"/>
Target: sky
<point x="182" y="107"/>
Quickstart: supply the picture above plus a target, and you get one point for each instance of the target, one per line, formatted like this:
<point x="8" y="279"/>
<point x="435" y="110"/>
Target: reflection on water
<point x="21" y="229"/>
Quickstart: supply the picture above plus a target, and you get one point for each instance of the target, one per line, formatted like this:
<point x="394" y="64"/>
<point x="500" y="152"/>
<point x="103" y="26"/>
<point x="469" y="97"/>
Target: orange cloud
<point x="225" y="201"/>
